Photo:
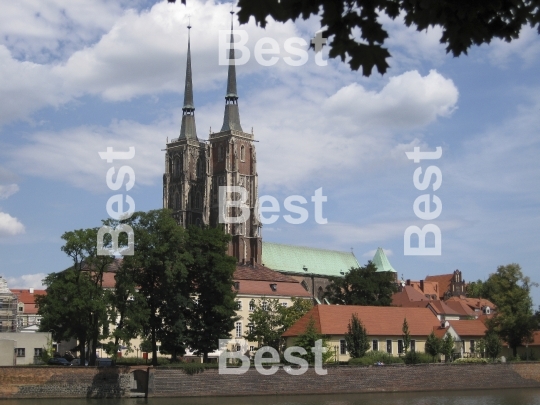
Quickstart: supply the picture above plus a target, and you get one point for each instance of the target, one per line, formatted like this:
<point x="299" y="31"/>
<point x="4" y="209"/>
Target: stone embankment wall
<point x="90" y="382"/>
<point x="64" y="382"/>
<point x="422" y="377"/>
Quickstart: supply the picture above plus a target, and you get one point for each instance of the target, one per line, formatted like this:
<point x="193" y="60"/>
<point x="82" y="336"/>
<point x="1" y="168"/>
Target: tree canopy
<point x="356" y="338"/>
<point x="356" y="35"/>
<point x="363" y="286"/>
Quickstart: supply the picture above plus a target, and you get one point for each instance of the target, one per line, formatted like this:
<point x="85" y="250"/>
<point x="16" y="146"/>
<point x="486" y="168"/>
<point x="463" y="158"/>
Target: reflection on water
<point x="529" y="396"/>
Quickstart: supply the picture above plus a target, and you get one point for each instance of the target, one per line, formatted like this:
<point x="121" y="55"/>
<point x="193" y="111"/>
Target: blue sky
<point x="77" y="77"/>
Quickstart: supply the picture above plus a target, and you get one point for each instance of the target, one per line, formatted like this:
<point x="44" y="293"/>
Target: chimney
<point x="422" y="285"/>
<point x="409" y="282"/>
<point x="31" y="290"/>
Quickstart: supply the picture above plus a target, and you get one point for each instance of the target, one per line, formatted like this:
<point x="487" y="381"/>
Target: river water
<point x="529" y="396"/>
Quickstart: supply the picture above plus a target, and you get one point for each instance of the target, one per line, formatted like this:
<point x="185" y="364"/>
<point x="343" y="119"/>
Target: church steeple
<point x="231" y="119"/>
<point x="188" y="129"/>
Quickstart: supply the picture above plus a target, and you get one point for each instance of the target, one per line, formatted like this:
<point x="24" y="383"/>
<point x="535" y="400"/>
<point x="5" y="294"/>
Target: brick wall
<point x="175" y="383"/>
<point x="64" y="382"/>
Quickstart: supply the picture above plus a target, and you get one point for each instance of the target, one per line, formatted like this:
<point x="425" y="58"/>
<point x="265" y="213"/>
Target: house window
<point x="238" y="348"/>
<point x="37" y="352"/>
<point x="252" y="305"/>
<point x="400" y="346"/>
<point x="389" y="346"/>
<point x="265" y="306"/>
<point x="239" y="305"/>
<point x="284" y="304"/>
<point x="238" y="329"/>
<point x="375" y="345"/>
<point x="250" y="327"/>
<point x="413" y="345"/>
<point x="21" y="352"/>
<point x="342" y="346"/>
<point x="251" y="348"/>
<point x="472" y="346"/>
<point x="242" y="153"/>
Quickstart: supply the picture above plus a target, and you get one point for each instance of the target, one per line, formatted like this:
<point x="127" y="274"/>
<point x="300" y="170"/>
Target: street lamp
<point x="312" y="284"/>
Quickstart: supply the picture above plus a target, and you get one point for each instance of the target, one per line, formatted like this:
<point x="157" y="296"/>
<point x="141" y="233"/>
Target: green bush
<point x="530" y="357"/>
<point x="476" y="360"/>
<point x="130" y="361"/>
<point x="373" y="357"/>
<point x="414" y="357"/>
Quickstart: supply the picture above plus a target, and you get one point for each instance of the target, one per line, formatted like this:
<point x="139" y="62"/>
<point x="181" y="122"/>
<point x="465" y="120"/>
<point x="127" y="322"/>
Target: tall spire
<point x="231" y="118"/>
<point x="188" y="129"/>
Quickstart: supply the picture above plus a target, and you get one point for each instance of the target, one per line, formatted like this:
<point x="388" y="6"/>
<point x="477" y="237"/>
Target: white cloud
<point x="10" y="226"/>
<point x="27" y="281"/>
<point x="7" y="191"/>
<point x="371" y="253"/>
<point x="526" y="47"/>
<point x="73" y="155"/>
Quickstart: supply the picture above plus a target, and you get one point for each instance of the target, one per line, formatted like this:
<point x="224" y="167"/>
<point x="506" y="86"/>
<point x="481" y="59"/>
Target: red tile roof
<point x="469" y="328"/>
<point x="263" y="288"/>
<point x="460" y="307"/>
<point x="443" y="280"/>
<point x="442" y="309"/>
<point x="260" y="273"/>
<point x="406" y="295"/>
<point x="388" y="321"/>
<point x="474" y="303"/>
<point x="29" y="300"/>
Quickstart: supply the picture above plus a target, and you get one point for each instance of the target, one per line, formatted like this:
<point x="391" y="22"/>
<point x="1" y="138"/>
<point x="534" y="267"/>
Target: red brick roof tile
<point x="388" y="321"/>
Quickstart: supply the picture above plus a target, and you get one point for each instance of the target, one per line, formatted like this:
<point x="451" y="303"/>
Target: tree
<point x="481" y="348"/>
<point x="85" y="318"/>
<point x="433" y="345"/>
<point x="307" y="340"/>
<point x="362" y="286"/>
<point x="298" y="308"/>
<point x="159" y="270"/>
<point x="406" y="336"/>
<point x="493" y="344"/>
<point x="476" y="289"/>
<point x="510" y="290"/>
<point x="447" y="347"/>
<point x="266" y="323"/>
<point x="355" y="31"/>
<point x="356" y="338"/>
<point x="213" y="312"/>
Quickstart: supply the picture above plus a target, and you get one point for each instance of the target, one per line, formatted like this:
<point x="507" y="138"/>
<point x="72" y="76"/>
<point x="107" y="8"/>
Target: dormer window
<point x="273" y="287"/>
<point x="237" y="285"/>
<point x="21" y="308"/>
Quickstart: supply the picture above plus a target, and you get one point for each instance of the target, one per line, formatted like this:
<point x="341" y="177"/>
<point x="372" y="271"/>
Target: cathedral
<point x="196" y="168"/>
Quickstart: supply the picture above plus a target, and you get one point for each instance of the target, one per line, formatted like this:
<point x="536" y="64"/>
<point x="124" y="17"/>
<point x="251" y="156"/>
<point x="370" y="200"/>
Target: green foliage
<point x="158" y="268"/>
<point x="481" y="347"/>
<point x="362" y="286"/>
<point x="447" y="347"/>
<point x="193" y="368"/>
<point x="47" y="351"/>
<point x="406" y="336"/>
<point x="476" y="289"/>
<point x="307" y="340"/>
<point x="266" y="322"/>
<point x="213" y="314"/>
<point x="298" y="308"/>
<point x="493" y="344"/>
<point x="356" y="338"/>
<point x="509" y="290"/>
<point x="433" y="345"/>
<point x="414" y="357"/>
<point x="373" y="357"/>
<point x="355" y="32"/>
<point x="471" y="360"/>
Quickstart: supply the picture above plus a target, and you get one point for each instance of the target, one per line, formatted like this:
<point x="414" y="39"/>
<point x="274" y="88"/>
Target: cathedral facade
<point x="195" y="169"/>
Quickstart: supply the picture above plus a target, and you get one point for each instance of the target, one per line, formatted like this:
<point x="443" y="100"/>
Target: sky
<point x="78" y="77"/>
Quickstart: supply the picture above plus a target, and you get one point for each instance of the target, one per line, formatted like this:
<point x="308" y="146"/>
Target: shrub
<point x="373" y="357"/>
<point x="476" y="360"/>
<point x="530" y="356"/>
<point x="414" y="357"/>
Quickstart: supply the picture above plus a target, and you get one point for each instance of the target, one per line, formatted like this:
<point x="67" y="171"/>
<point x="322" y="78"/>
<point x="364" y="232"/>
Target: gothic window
<point x="177" y="166"/>
<point x="242" y="153"/>
<point x="200" y="168"/>
<point x="176" y="203"/>
<point x="220" y="154"/>
<point x="198" y="222"/>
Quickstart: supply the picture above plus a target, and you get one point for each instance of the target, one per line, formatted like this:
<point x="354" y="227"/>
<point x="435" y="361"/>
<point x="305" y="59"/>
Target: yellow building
<point x="383" y="326"/>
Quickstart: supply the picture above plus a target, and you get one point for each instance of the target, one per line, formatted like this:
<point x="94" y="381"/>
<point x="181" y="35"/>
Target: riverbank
<point x="123" y="382"/>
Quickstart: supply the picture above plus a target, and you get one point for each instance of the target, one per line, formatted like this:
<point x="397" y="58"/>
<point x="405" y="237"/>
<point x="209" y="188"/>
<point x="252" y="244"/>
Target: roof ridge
<point x="308" y="247"/>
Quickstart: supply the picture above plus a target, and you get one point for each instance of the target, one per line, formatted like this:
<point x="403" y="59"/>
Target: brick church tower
<point x="194" y="170"/>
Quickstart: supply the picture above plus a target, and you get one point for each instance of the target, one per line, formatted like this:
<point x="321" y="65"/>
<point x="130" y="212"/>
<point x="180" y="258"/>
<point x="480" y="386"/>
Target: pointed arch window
<point x="220" y="153"/>
<point x="242" y="153"/>
<point x="177" y="166"/>
<point x="176" y="202"/>
<point x="198" y="200"/>
<point x="200" y="168"/>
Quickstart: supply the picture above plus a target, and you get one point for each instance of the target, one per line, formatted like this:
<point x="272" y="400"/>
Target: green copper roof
<point x="292" y="259"/>
<point x="381" y="261"/>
